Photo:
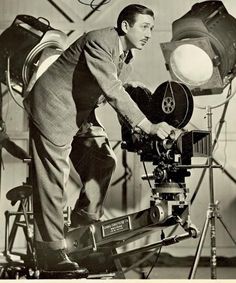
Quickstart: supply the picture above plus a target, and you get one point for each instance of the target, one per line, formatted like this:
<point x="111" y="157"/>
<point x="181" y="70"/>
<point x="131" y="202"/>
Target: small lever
<point x="92" y="230"/>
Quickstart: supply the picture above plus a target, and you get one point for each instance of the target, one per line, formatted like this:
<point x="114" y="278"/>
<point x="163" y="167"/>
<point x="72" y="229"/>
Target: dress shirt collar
<point x="125" y="55"/>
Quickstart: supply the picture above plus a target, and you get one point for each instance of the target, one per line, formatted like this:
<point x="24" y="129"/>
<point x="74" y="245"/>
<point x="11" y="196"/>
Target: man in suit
<point x="61" y="106"/>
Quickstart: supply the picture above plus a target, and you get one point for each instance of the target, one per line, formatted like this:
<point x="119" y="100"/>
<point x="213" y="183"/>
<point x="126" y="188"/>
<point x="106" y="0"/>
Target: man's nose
<point x="148" y="33"/>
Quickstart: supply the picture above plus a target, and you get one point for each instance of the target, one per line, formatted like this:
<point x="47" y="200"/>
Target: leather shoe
<point x="58" y="260"/>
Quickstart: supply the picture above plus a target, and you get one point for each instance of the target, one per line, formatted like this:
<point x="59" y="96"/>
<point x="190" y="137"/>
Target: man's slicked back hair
<point x="129" y="13"/>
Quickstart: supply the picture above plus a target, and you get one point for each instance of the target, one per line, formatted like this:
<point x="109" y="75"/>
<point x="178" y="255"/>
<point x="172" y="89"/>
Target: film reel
<point x="172" y="102"/>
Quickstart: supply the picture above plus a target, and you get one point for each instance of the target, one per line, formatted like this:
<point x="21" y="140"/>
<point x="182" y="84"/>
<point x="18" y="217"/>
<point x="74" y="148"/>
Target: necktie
<point x="121" y="62"/>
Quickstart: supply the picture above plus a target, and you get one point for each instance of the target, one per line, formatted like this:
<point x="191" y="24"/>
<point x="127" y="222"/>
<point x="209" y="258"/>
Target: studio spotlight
<point x="202" y="52"/>
<point x="21" y="46"/>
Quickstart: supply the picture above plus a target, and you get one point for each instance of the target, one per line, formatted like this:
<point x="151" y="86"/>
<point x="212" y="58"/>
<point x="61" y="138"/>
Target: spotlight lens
<point x="191" y="64"/>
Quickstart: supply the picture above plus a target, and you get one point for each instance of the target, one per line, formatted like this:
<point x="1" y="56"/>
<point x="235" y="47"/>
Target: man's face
<point x="139" y="34"/>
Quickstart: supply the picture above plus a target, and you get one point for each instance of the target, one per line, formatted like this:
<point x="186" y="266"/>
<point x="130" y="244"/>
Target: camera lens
<point x="167" y="144"/>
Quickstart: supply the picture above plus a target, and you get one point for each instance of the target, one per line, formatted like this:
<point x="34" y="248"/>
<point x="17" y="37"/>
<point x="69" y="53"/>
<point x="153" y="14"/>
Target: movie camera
<point x="171" y="157"/>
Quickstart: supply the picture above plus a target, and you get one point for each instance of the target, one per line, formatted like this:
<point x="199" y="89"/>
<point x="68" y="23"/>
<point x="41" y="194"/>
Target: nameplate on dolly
<point x="115" y="227"/>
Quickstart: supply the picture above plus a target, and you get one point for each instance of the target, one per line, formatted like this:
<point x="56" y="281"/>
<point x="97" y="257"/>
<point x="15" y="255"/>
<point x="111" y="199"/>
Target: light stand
<point x="201" y="34"/>
<point x="213" y="208"/>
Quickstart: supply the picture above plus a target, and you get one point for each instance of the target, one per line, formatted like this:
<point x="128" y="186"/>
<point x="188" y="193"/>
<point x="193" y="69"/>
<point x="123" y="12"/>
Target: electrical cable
<point x="93" y="6"/>
<point x="217" y="143"/>
<point x="221" y="123"/>
<point x="91" y="3"/>
<point x="154" y="263"/>
<point x="229" y="96"/>
<point x="146" y="173"/>
<point x="225" y="146"/>
<point x="84" y="3"/>
<point x="7" y="108"/>
<point x="8" y="81"/>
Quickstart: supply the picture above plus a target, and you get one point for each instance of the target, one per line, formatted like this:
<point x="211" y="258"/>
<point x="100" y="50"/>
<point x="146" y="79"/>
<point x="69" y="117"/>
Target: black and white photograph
<point x="118" y="140"/>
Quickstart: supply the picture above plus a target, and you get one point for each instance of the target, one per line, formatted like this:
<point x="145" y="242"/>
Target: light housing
<point x="202" y="51"/>
<point x="21" y="46"/>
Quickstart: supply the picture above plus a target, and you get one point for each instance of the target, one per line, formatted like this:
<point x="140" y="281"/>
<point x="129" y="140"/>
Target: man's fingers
<point x="162" y="133"/>
<point x="163" y="130"/>
<point x="172" y="134"/>
<point x="137" y="84"/>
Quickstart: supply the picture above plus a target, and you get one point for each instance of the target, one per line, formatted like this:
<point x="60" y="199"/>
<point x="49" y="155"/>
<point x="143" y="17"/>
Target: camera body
<point x="171" y="160"/>
<point x="189" y="144"/>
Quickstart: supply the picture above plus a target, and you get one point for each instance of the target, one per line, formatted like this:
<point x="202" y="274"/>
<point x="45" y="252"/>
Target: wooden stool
<point x="23" y="195"/>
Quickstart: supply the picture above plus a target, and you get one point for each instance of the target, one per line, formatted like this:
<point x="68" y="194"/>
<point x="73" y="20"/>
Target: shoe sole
<point x="72" y="274"/>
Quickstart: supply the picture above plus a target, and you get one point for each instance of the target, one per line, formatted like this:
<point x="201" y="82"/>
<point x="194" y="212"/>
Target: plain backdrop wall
<point x="149" y="67"/>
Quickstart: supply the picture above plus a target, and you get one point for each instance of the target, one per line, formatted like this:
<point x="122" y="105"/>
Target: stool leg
<point x="13" y="231"/>
<point x="6" y="249"/>
<point x="28" y="233"/>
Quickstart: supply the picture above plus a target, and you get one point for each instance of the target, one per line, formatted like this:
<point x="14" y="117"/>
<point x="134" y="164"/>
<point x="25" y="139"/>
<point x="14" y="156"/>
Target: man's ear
<point x="125" y="26"/>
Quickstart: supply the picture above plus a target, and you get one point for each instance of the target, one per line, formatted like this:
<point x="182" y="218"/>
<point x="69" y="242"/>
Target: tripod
<point x="213" y="208"/>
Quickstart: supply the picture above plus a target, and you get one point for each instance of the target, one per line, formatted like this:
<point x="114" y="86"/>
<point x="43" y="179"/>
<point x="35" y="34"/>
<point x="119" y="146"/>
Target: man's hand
<point x="162" y="130"/>
<point x="135" y="84"/>
<point x="178" y="133"/>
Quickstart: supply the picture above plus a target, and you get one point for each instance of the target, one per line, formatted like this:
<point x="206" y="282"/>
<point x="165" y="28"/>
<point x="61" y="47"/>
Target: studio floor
<point x="175" y="268"/>
<point x="181" y="273"/>
<point x="170" y="267"/>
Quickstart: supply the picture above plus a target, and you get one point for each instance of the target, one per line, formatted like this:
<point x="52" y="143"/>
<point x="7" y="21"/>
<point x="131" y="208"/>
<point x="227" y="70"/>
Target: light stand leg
<point x="226" y="229"/>
<point x="200" y="246"/>
<point x="219" y="217"/>
<point x="213" y="260"/>
<point x="211" y="216"/>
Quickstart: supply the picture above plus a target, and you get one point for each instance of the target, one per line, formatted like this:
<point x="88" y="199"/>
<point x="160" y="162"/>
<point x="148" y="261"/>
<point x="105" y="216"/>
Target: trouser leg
<point x="95" y="161"/>
<point x="50" y="174"/>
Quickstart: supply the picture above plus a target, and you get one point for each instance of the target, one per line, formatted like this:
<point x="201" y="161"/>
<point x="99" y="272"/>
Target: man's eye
<point x="145" y="27"/>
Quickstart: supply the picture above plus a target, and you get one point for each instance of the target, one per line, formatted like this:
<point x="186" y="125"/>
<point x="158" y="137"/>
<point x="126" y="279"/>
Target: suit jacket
<point x="68" y="91"/>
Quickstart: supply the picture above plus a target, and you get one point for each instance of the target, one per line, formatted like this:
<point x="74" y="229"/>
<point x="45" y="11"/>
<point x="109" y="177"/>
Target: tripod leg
<point x="199" y="248"/>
